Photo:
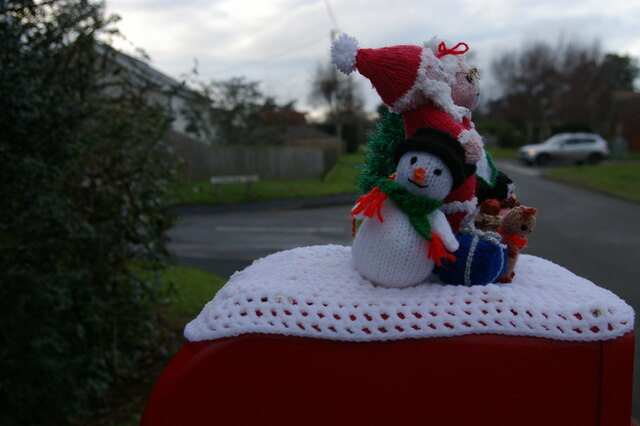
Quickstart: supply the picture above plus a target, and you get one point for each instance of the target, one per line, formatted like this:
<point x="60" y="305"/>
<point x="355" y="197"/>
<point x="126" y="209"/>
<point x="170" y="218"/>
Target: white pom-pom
<point x="343" y="53"/>
<point x="432" y="43"/>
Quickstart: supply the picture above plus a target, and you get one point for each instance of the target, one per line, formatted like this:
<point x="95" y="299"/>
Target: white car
<point x="578" y="147"/>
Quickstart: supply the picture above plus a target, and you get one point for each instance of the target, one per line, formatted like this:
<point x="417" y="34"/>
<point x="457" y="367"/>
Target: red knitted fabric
<point x="430" y="116"/>
<point x="437" y="250"/>
<point x="464" y="192"/>
<point x="391" y="70"/>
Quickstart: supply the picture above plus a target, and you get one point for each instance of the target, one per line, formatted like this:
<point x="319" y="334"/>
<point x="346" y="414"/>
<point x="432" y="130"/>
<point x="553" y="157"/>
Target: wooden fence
<point x="202" y="161"/>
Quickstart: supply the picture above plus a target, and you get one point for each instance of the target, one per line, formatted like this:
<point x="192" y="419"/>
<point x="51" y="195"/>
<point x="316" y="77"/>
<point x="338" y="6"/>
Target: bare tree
<point x="529" y="82"/>
<point x="569" y="85"/>
<point x="227" y="111"/>
<point x="586" y="87"/>
<point x="340" y="93"/>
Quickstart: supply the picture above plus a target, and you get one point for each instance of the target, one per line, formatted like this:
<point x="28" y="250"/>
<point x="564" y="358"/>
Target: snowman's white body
<point x="392" y="253"/>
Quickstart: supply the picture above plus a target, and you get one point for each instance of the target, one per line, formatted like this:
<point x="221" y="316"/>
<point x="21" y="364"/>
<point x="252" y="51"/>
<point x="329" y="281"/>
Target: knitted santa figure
<point x="404" y="234"/>
<point x="429" y="86"/>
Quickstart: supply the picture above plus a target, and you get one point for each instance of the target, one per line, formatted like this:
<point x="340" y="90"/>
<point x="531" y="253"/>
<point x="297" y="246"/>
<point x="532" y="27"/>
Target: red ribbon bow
<point x="444" y="50"/>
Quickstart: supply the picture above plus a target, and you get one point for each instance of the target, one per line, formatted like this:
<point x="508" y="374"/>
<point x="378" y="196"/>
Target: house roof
<point x="146" y="72"/>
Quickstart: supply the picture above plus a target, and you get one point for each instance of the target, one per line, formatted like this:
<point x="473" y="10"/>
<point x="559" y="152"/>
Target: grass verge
<point x="629" y="155"/>
<point x="622" y="179"/>
<point x="340" y="180"/>
<point x="503" y="152"/>
<point x="191" y="289"/>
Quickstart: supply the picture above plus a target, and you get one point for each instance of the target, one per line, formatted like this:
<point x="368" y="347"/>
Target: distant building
<point x="626" y="118"/>
<point x="289" y="148"/>
<point x="286" y="116"/>
<point x="179" y="101"/>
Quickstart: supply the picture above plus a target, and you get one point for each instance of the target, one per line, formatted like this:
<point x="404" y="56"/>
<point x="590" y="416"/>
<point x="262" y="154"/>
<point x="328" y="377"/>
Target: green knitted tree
<point x="379" y="160"/>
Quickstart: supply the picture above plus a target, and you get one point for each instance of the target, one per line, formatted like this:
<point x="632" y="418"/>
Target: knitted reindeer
<point x="515" y="226"/>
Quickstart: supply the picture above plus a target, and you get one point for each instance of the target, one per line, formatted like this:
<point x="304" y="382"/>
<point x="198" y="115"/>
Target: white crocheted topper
<point x="316" y="292"/>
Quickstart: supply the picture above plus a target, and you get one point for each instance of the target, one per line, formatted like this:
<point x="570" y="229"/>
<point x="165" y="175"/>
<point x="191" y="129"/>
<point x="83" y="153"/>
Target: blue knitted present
<point x="479" y="261"/>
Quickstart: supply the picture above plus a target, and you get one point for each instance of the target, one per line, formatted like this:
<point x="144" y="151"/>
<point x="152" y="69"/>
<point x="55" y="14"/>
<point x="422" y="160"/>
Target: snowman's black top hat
<point x="442" y="145"/>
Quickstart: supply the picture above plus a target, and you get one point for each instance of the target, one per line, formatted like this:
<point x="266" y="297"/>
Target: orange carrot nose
<point x="419" y="174"/>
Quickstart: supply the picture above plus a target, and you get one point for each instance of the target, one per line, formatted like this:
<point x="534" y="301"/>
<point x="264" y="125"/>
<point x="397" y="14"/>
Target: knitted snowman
<point x="404" y="234"/>
<point x="429" y="86"/>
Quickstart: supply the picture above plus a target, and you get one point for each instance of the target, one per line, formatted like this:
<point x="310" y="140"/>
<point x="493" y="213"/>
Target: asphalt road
<point x="226" y="242"/>
<point x="594" y="235"/>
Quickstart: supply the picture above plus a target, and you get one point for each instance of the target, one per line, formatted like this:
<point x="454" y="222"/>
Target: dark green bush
<point x="505" y="133"/>
<point x="570" y="127"/>
<point x="83" y="175"/>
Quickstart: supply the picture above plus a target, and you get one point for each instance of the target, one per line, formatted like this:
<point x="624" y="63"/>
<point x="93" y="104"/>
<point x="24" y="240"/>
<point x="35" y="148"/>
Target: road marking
<point x="284" y="229"/>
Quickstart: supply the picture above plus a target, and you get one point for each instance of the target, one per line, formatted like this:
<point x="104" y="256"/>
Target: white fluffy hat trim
<point x="426" y="88"/>
<point x="344" y="51"/>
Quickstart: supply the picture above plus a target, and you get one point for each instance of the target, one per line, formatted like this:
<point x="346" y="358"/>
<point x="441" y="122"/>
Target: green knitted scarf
<point x="417" y="208"/>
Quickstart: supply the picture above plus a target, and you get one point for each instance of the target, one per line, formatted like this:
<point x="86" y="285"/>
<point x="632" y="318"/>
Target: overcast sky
<point x="281" y="42"/>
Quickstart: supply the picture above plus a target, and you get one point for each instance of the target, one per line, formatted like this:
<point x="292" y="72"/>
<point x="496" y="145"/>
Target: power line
<point x="331" y="15"/>
<point x="272" y="57"/>
<point x="334" y="32"/>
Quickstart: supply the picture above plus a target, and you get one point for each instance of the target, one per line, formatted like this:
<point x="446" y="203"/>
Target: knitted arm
<point x="440" y="226"/>
<point x="473" y="146"/>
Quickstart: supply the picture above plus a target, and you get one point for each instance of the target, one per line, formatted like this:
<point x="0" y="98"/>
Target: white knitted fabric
<point x="392" y="253"/>
<point x="451" y="63"/>
<point x="437" y="181"/>
<point x="467" y="206"/>
<point x="432" y="84"/>
<point x="316" y="292"/>
<point x="463" y="92"/>
<point x="473" y="145"/>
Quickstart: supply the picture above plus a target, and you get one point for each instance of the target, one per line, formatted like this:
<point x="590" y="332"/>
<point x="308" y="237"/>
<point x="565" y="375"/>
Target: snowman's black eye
<point x="523" y="228"/>
<point x="413" y="160"/>
<point x="437" y="172"/>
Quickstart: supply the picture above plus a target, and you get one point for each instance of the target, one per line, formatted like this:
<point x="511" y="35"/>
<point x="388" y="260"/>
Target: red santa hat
<point x="417" y="82"/>
<point x="406" y="77"/>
